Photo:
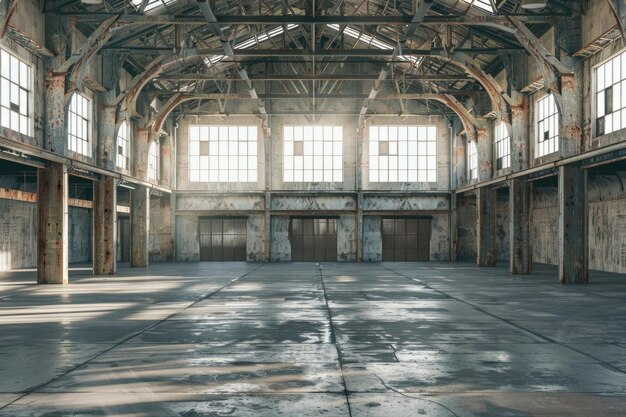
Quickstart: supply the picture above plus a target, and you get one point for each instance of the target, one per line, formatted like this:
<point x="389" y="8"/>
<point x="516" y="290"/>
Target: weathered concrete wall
<point x="255" y="235"/>
<point x="372" y="239"/>
<point x="466" y="229"/>
<point x="544" y="229"/>
<point x="399" y="203"/>
<point x="18" y="235"/>
<point x="280" y="247"/>
<point x="502" y="225"/>
<point x="347" y="238"/>
<point x="440" y="238"/>
<point x="161" y="245"/>
<point x="80" y="234"/>
<point x="187" y="240"/>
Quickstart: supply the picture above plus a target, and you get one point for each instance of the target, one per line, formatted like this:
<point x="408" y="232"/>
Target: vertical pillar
<point x="573" y="261"/>
<point x="52" y="226"/>
<point x="484" y="145"/>
<point x="486" y="227"/>
<point x="453" y="227"/>
<point x="140" y="225"/>
<point x="519" y="215"/>
<point x="571" y="113"/>
<point x="104" y="226"/>
<point x="519" y="132"/>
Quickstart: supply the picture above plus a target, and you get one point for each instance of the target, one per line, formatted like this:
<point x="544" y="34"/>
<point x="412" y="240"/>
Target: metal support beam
<point x="520" y="193"/>
<point x="573" y="257"/>
<point x="140" y="226"/>
<point x="52" y="224"/>
<point x="486" y="227"/>
<point x="105" y="226"/>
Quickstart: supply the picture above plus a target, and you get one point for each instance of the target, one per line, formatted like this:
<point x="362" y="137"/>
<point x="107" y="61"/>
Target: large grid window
<point x="313" y="154"/>
<point x="547" y="116"/>
<point x="15" y="84"/>
<point x="154" y="161"/>
<point x="222" y="153"/>
<point x="123" y="147"/>
<point x="503" y="147"/>
<point x="472" y="160"/>
<point x="79" y="125"/>
<point x="611" y="95"/>
<point x="403" y="154"/>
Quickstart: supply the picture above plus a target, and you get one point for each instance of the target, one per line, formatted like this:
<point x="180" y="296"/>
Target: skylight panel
<point x="152" y="4"/>
<point x="481" y="4"/>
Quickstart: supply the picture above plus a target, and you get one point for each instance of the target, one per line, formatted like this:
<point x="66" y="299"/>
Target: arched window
<point x="503" y="147"/>
<point x="79" y="118"/>
<point x="547" y="122"/>
<point x="154" y="161"/>
<point x="123" y="148"/>
<point x="472" y="160"/>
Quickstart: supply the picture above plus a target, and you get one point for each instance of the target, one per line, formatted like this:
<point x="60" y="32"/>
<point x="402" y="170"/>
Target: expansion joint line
<point x="333" y="340"/>
<point x="129" y="338"/>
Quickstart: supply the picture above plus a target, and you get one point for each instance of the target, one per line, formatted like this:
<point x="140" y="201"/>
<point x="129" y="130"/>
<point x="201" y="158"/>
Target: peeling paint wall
<point x="280" y="247"/>
<point x="544" y="230"/>
<point x="347" y="238"/>
<point x="466" y="228"/>
<point x="440" y="238"/>
<point x="161" y="245"/>
<point x="372" y="239"/>
<point x="187" y="239"/>
<point x="503" y="229"/>
<point x="255" y="234"/>
<point x="18" y="235"/>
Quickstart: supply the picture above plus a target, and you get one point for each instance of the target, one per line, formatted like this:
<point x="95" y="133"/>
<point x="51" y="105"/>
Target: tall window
<point x="503" y="147"/>
<point x="547" y="116"/>
<point x="79" y="125"/>
<point x="313" y="154"/>
<point x="15" y="89"/>
<point x="472" y="160"/>
<point x="222" y="153"/>
<point x="611" y="95"/>
<point x="154" y="161"/>
<point x="403" y="154"/>
<point x="123" y="148"/>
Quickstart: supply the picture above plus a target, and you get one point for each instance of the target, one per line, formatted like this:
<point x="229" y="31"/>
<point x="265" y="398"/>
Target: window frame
<point x="26" y="117"/>
<point x="154" y="161"/>
<point x="215" y="147"/>
<point x="472" y="160"/>
<point x="502" y="146"/>
<point x="619" y="94"/>
<point x="125" y="157"/>
<point x="553" y="119"/>
<point x="317" y="160"/>
<point x="88" y="142"/>
<point x="422" y="149"/>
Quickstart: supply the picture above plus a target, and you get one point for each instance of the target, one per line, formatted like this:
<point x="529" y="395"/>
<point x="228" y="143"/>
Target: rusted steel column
<point x="519" y="132"/>
<point x="484" y="143"/>
<point x="107" y="132"/>
<point x="140" y="225"/>
<point x="573" y="258"/>
<point x="571" y="114"/>
<point x="52" y="231"/>
<point x="485" y="227"/>
<point x="104" y="226"/>
<point x="519" y="215"/>
<point x="56" y="137"/>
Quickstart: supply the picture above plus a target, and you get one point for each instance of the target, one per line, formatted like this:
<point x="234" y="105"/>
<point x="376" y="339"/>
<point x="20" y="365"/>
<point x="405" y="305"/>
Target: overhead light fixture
<point x="533" y="5"/>
<point x="91" y="1"/>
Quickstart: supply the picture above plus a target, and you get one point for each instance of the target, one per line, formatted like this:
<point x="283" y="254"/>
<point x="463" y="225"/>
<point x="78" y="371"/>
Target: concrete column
<point x="107" y="132"/>
<point x="484" y="145"/>
<point x="140" y="225"/>
<point x="56" y="137"/>
<point x="571" y="113"/>
<point x="573" y="260"/>
<point x="141" y="149"/>
<point x="52" y="227"/>
<point x="453" y="227"/>
<point x="520" y="136"/>
<point x="486" y="227"/>
<point x="104" y="226"/>
<point x="519" y="215"/>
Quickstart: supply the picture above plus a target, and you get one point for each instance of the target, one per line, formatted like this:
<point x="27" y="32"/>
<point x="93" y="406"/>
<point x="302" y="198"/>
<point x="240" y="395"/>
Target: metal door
<point x="406" y="239"/>
<point x="222" y="239"/>
<point x="313" y="240"/>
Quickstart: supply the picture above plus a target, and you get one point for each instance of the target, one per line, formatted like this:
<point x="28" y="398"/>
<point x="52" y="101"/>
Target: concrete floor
<point x="235" y="339"/>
